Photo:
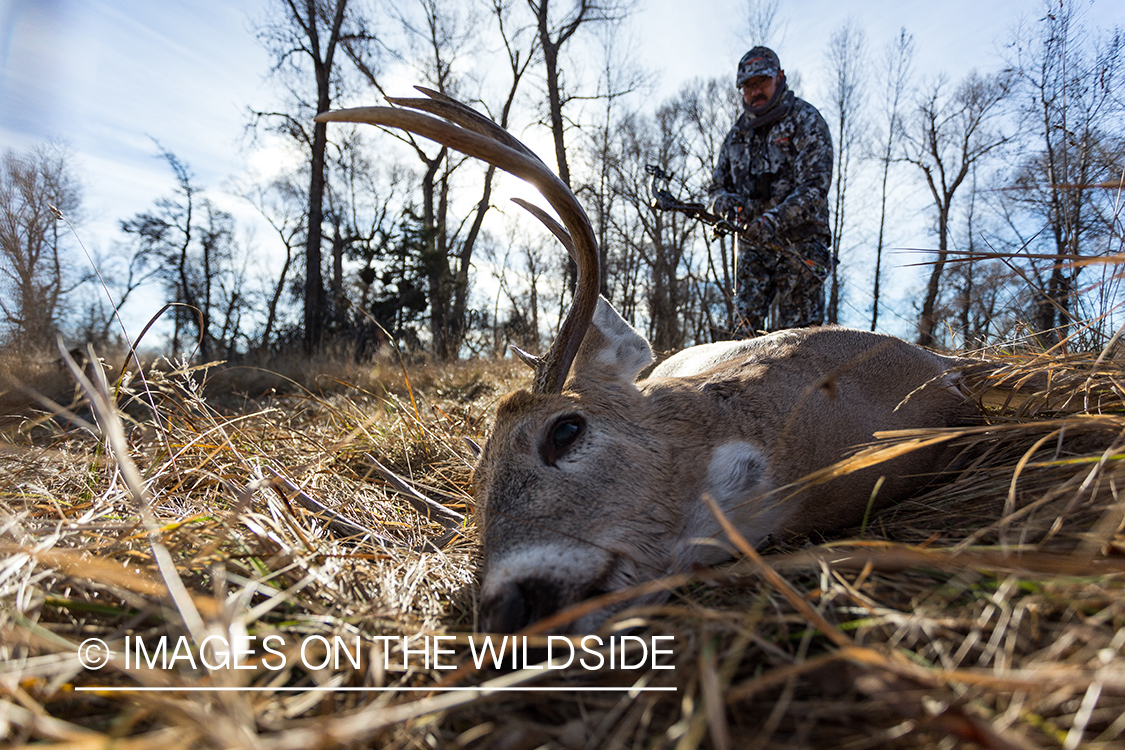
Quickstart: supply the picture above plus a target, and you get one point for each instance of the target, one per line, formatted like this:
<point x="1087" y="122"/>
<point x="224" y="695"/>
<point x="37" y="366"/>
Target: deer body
<point x="593" y="481"/>
<point x="622" y="502"/>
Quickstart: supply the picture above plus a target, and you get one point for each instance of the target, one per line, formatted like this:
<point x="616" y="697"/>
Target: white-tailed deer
<point x="593" y="481"/>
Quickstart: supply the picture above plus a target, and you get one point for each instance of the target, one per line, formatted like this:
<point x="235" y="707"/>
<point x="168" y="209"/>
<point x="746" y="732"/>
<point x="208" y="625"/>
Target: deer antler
<point x="470" y="132"/>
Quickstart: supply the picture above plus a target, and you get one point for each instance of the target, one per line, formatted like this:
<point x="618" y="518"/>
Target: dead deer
<point x="593" y="481"/>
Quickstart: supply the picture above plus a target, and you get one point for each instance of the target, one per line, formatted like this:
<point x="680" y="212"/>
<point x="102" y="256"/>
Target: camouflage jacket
<point x="784" y="168"/>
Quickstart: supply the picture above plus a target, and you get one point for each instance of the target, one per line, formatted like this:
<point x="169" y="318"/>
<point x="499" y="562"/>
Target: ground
<point x="235" y="502"/>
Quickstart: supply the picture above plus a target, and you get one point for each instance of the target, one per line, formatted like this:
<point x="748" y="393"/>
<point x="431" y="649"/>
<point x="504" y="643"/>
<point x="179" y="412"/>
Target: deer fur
<point x="593" y="480"/>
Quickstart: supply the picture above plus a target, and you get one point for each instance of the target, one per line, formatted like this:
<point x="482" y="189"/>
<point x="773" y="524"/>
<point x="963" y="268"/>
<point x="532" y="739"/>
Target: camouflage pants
<point x="763" y="273"/>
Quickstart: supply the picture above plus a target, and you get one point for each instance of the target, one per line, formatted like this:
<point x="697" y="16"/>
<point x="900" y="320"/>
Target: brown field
<point x="225" y="501"/>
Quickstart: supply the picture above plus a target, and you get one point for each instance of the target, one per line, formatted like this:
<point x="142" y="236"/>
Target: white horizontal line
<point x="370" y="689"/>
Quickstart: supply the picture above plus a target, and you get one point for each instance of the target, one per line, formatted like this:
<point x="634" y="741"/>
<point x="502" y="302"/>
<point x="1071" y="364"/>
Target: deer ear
<point x="612" y="349"/>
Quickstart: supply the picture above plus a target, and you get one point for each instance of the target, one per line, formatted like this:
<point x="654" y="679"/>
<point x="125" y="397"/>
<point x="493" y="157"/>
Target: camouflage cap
<point x="760" y="61"/>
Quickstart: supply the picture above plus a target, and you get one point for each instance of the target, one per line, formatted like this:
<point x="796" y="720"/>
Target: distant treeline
<point x="1017" y="172"/>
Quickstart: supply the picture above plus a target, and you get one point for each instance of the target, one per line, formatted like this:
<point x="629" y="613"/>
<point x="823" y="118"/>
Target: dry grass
<point x="988" y="611"/>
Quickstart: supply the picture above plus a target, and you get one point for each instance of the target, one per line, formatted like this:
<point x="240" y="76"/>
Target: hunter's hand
<point x="762" y="230"/>
<point x="726" y="206"/>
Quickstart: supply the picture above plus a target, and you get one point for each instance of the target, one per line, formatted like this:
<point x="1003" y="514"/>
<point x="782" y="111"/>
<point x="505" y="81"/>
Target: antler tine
<point x="443" y="106"/>
<point x="556" y="229"/>
<point x="489" y="146"/>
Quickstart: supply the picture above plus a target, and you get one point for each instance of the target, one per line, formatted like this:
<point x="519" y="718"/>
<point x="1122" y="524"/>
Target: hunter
<point x="772" y="182"/>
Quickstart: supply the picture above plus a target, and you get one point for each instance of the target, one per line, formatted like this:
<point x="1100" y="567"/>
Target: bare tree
<point x="37" y="188"/>
<point x="663" y="272"/>
<point x="554" y="35"/>
<point x="1069" y="83"/>
<point x="443" y="35"/>
<point x="521" y="282"/>
<point x="663" y="241"/>
<point x="709" y="114"/>
<point x="119" y="274"/>
<point x="947" y="135"/>
<point x="982" y="298"/>
<point x="304" y="43"/>
<point x="846" y="58"/>
<point x="283" y="204"/>
<point x="189" y="245"/>
<point x="619" y="78"/>
<point x="436" y="36"/>
<point x="968" y="286"/>
<point x="361" y="199"/>
<point x="163" y="240"/>
<point x="762" y="22"/>
<point x="519" y="58"/>
<point x="898" y="58"/>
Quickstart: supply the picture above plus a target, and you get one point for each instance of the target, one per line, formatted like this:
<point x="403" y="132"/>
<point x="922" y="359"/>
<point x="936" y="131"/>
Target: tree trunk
<point x="314" y="282"/>
<point x="926" y="321"/>
<point x="315" y="298"/>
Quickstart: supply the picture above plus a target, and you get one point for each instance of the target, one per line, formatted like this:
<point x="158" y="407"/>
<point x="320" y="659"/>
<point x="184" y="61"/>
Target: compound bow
<point x="663" y="200"/>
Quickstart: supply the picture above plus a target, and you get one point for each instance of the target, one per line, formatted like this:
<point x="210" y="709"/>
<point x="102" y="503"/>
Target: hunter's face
<point x="758" y="90"/>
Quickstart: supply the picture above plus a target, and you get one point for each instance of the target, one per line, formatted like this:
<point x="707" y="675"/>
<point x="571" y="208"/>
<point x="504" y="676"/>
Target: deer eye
<point x="561" y="435"/>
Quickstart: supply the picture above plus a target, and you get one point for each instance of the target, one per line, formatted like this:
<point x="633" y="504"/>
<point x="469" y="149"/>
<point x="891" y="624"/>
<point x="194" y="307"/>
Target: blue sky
<point x="109" y="76"/>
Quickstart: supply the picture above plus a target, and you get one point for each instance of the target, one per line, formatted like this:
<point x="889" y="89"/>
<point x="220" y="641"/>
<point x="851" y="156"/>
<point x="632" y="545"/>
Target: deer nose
<point x="518" y="604"/>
